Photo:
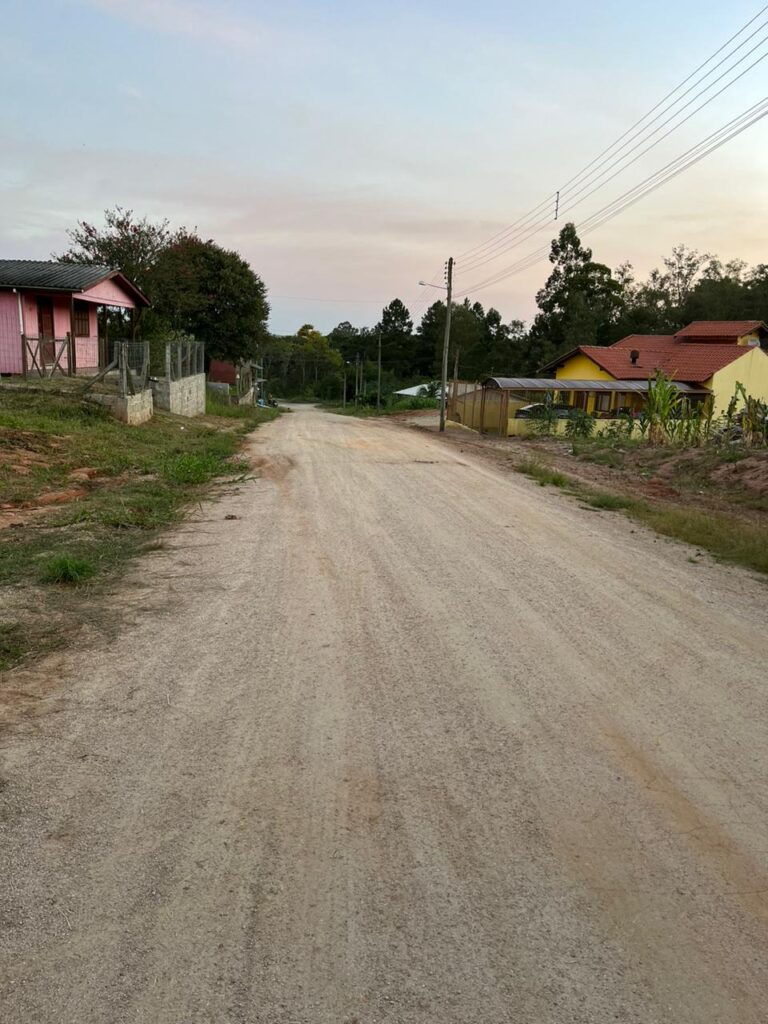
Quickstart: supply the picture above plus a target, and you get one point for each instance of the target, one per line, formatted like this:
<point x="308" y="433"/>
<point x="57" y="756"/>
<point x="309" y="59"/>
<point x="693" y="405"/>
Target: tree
<point x="345" y="339"/>
<point x="202" y="289"/>
<point x="396" y="331"/>
<point x="683" y="268"/>
<point x="578" y="303"/>
<point x="124" y="243"/>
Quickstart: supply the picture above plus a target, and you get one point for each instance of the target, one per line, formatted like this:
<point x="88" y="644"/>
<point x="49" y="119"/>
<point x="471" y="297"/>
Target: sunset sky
<point x="347" y="148"/>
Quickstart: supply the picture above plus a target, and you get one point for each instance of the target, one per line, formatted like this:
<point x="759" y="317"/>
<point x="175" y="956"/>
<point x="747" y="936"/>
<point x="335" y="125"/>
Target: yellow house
<point x="710" y="354"/>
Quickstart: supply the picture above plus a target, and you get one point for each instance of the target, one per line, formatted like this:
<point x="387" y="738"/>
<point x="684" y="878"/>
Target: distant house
<point x="711" y="355"/>
<point x="49" y="314"/>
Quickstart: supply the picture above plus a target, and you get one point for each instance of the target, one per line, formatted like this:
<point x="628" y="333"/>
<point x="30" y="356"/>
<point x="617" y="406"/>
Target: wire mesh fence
<point x="184" y="358"/>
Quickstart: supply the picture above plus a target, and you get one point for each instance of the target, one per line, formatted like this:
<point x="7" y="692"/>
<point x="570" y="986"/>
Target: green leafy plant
<point x="662" y="408"/>
<point x="545" y="418"/>
<point x="581" y="424"/>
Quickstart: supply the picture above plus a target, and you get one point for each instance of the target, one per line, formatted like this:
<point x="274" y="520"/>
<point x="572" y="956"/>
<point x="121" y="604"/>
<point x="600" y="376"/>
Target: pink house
<point x="49" y="314"/>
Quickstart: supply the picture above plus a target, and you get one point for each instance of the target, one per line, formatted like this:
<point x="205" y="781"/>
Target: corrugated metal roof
<point x="68" y="277"/>
<point x="554" y="384"/>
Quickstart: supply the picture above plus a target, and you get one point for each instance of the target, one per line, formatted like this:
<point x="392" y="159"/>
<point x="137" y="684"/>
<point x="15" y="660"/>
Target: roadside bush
<point x="581" y="424"/>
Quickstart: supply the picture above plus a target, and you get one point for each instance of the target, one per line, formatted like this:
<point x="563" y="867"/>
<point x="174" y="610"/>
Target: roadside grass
<point x="544" y="475"/>
<point x="412" y="404"/>
<point x="67" y="568"/>
<point x="727" y="538"/>
<point x="249" y="416"/>
<point x="115" y="488"/>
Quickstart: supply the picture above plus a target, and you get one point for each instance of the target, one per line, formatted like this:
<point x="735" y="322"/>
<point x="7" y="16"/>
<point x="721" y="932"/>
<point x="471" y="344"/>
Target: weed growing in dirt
<point x="544" y="475"/>
<point x="67" y="569"/>
<point x="191" y="468"/>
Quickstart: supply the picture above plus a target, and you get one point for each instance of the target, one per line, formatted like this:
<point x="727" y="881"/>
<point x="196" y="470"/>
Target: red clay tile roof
<point x="719" y="330"/>
<point x="689" y="363"/>
<point x="645" y="341"/>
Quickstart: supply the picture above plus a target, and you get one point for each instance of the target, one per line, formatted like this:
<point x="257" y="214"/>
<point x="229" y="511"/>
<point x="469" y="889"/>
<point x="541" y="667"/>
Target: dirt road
<point x="408" y="740"/>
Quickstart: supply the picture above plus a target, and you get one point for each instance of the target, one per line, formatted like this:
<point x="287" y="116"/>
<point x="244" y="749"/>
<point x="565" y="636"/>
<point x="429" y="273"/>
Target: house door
<point x="45" y="330"/>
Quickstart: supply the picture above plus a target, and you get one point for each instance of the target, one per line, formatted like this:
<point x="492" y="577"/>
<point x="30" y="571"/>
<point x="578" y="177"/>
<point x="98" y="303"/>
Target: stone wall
<point x="184" y="397"/>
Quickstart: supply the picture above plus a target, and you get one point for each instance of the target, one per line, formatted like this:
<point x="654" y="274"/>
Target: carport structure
<point x="491" y="406"/>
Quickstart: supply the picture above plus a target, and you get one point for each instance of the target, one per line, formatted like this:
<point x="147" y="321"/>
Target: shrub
<point x="581" y="424"/>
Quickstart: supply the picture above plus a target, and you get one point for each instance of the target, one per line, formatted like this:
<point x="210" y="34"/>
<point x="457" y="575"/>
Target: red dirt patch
<point x="751" y="472"/>
<point x="57" y="497"/>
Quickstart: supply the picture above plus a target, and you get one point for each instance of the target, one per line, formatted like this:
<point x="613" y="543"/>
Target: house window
<point x="602" y="401"/>
<point x="82" y="320"/>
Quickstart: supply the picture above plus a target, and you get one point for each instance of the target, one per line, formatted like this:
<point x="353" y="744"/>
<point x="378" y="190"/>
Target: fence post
<point x="121" y="368"/>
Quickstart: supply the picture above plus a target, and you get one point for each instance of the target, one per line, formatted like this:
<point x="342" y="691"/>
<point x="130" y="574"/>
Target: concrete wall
<point x="185" y="397"/>
<point x="133" y="409"/>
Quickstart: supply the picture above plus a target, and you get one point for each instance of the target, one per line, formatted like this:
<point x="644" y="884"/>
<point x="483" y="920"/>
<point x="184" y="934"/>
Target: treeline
<point x="199" y="288"/>
<point x="583" y="302"/>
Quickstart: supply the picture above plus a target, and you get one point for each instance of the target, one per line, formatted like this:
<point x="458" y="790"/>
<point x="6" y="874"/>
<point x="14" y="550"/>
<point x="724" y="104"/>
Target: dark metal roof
<point x="66" y="277"/>
<point x="555" y="384"/>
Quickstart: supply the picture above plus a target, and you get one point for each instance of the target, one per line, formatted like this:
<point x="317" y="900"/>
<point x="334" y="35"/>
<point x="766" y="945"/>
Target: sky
<point x="346" y="149"/>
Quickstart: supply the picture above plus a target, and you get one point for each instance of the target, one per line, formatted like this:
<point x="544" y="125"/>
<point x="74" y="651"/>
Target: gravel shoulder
<point x="407" y="740"/>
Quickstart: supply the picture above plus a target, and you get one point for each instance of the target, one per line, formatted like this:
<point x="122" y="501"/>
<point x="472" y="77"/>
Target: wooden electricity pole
<point x="378" y="379"/>
<point x="446" y="342"/>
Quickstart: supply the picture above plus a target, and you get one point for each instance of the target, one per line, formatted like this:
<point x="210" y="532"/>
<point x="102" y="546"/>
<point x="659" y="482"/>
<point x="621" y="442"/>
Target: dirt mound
<point x="751" y="472"/>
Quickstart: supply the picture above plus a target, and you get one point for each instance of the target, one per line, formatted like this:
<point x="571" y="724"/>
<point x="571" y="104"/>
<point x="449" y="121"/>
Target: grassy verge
<point x="249" y="415"/>
<point x="83" y="494"/>
<point x="728" y="538"/>
<point x="387" y="409"/>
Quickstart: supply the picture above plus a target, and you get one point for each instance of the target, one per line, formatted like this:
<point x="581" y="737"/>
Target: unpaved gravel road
<point x="409" y="740"/>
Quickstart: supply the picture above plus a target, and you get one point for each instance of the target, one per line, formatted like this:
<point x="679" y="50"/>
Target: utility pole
<point x="378" y="379"/>
<point x="446" y="341"/>
<point x="344" y="392"/>
<point x="357" y="378"/>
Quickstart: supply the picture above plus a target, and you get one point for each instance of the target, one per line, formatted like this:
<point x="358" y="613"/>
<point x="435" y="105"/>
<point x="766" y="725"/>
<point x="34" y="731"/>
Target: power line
<point x="665" y="174"/>
<point x="571" y="204"/>
<point x="496" y="242"/>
